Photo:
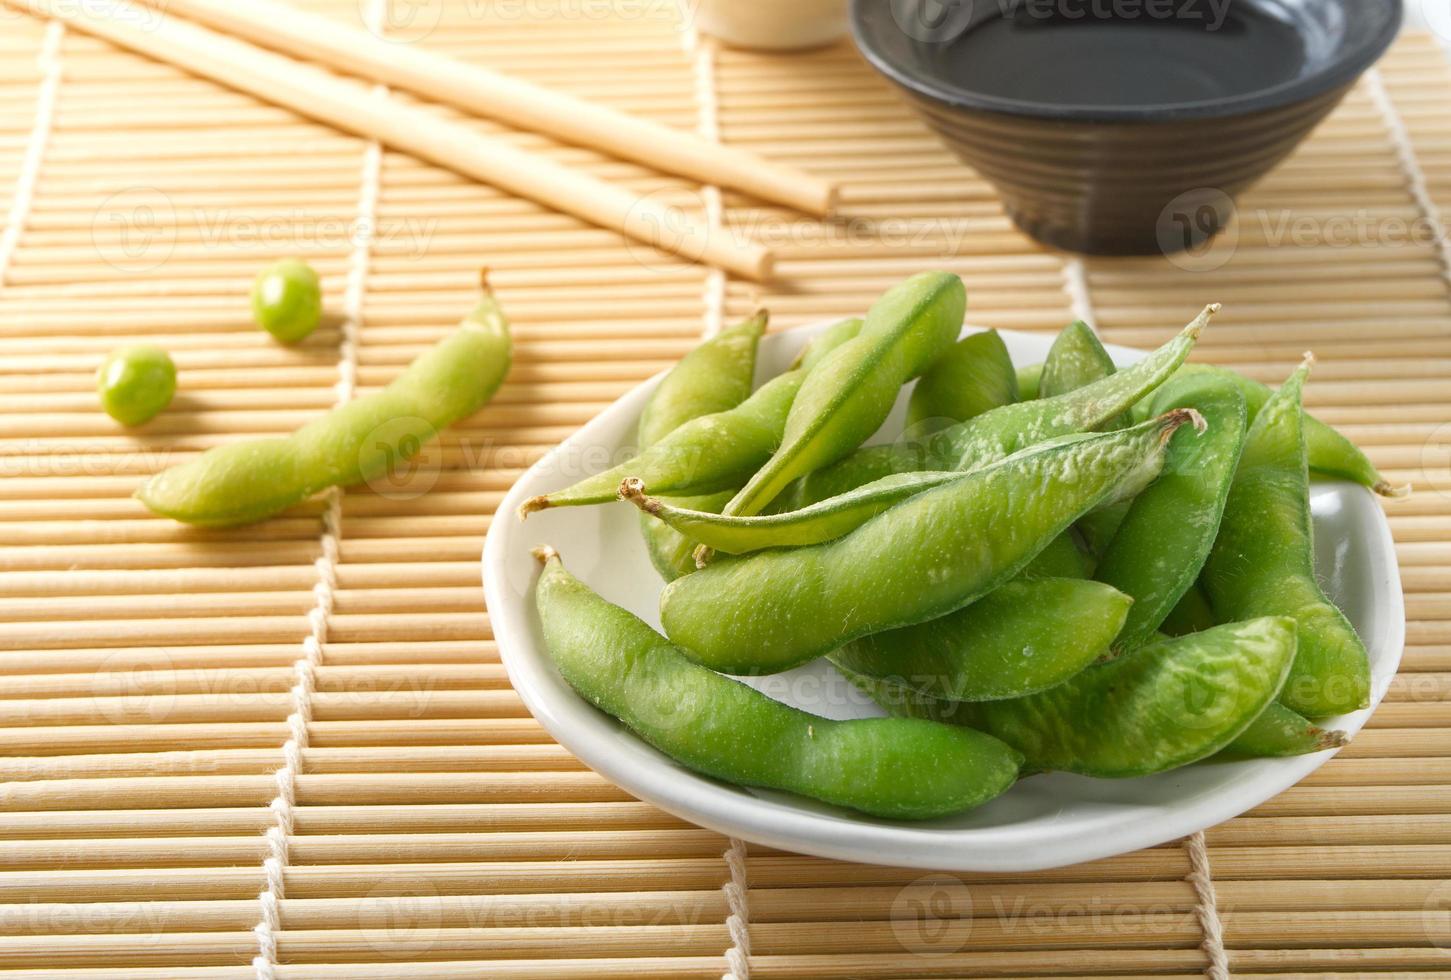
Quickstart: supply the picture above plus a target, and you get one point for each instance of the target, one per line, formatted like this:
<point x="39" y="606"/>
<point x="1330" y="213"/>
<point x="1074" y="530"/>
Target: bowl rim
<point x="1348" y="64"/>
<point x="782" y="821"/>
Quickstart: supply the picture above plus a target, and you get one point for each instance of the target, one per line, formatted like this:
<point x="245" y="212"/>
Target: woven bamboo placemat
<point x="313" y="709"/>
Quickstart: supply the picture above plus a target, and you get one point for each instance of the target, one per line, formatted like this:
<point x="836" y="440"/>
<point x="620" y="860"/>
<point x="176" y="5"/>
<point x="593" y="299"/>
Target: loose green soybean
<point x="928" y="556"/>
<point x="708" y="454"/>
<point x="825" y="521"/>
<point x="1279" y="733"/>
<point x="974" y="376"/>
<point x="287" y="300"/>
<point x="849" y="394"/>
<point x="1168" y="530"/>
<point x="1003" y="431"/>
<point x="1156" y="708"/>
<point x="1025" y="637"/>
<point x="136" y="384"/>
<point x="1263" y="563"/>
<point x="365" y="438"/>
<point x="715" y="377"/>
<point x="887" y="767"/>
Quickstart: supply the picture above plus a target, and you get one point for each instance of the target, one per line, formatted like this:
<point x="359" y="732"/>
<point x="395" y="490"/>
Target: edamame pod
<point x="1327" y="451"/>
<point x="825" y="521"/>
<point x="887" y="767"/>
<point x="926" y="557"/>
<point x="1153" y="709"/>
<point x="672" y="553"/>
<point x="1030" y="378"/>
<point x="825" y="342"/>
<point x="1263" y="563"/>
<point x="714" y="377"/>
<point x="1192" y="615"/>
<point x="1168" y="530"/>
<point x="1279" y="733"/>
<point x="849" y="394"/>
<point x="1003" y="431"/>
<point x="974" y="376"/>
<point x="247" y="481"/>
<point x="705" y="455"/>
<point x="1026" y="637"/>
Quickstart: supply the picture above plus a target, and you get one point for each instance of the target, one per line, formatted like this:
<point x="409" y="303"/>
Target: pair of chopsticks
<point x="347" y="106"/>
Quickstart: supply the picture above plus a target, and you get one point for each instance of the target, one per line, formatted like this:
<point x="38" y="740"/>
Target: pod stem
<point x="632" y="488"/>
<point x="702" y="555"/>
<point x="541" y="502"/>
<point x="1332" y="740"/>
<point x="1172" y="422"/>
<point x="544" y="553"/>
<point x="1387" y="489"/>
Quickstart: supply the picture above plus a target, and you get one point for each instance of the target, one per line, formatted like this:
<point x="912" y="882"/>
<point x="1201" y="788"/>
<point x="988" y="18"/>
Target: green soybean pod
<point x="974" y="376"/>
<point x="1003" y="431"/>
<point x="825" y="342"/>
<point x="1162" y="706"/>
<point x="247" y="481"/>
<point x="849" y="394"/>
<point x="1030" y="379"/>
<point x="1327" y="451"/>
<point x="1027" y="636"/>
<point x="1192" y="615"/>
<point x="1263" y="562"/>
<point x="887" y="767"/>
<point x="1279" y="733"/>
<point x="705" y="455"/>
<point x="929" y="555"/>
<point x="672" y="553"/>
<point x="714" y="377"/>
<point x="825" y="521"/>
<point x="1168" y="530"/>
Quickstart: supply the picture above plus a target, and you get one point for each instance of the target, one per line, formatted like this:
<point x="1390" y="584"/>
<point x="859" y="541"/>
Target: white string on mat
<point x="1206" y="907"/>
<point x="1410" y="166"/>
<point x="46" y="96"/>
<point x="738" y="923"/>
<point x="1075" y="284"/>
<point x="324" y="591"/>
<point x="704" y="51"/>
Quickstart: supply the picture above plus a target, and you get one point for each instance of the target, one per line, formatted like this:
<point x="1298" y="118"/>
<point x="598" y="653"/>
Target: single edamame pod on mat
<point x="247" y="481"/>
<point x="705" y="455"/>
<point x="1168" y="530"/>
<point x="975" y="375"/>
<point x="1327" y="451"/>
<point x="714" y="377"/>
<point x="1003" y="431"/>
<point x="825" y="521"/>
<point x="888" y="767"/>
<point x="1263" y="562"/>
<point x="1279" y="733"/>
<point x="1153" y="709"/>
<point x="929" y="555"/>
<point x="849" y="394"/>
<point x="1027" y="636"/>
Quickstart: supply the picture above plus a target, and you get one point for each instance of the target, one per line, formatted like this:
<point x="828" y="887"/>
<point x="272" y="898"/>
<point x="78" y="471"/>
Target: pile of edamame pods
<point x="1057" y="567"/>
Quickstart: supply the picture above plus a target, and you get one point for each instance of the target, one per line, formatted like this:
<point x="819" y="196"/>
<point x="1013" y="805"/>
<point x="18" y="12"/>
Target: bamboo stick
<point x="315" y="94"/>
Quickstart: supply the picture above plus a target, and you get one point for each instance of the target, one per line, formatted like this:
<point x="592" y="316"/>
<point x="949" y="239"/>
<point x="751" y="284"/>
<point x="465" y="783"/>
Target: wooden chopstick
<point x="520" y="103"/>
<point x="345" y="105"/>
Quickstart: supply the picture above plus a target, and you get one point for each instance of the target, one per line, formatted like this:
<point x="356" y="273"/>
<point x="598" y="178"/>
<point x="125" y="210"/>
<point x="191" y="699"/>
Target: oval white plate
<point x="1045" y="821"/>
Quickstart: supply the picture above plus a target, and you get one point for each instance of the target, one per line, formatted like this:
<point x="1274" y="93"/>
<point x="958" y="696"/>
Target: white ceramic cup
<point x="776" y="25"/>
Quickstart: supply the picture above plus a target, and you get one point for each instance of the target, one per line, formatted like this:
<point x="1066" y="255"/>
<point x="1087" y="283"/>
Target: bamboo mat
<point x="150" y="710"/>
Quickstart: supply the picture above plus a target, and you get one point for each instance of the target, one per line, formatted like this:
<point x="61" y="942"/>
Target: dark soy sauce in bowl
<point x="1094" y="54"/>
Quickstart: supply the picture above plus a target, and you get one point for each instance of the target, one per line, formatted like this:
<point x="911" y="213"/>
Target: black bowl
<point x="1150" y="152"/>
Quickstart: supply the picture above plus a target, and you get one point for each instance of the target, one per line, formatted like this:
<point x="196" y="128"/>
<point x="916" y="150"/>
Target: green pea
<point x="849" y="394"/>
<point x="825" y="521"/>
<point x="287" y="300"/>
<point x="974" y="376"/>
<point x="930" y="555"/>
<point x="1328" y="452"/>
<point x="887" y="767"/>
<point x="1030" y="379"/>
<point x="1028" y="636"/>
<point x="136" y="383"/>
<point x="1157" y="708"/>
<point x="1279" y="733"/>
<point x="250" y="480"/>
<point x="1263" y="562"/>
<point x="714" y="377"/>
<point x="1168" y="530"/>
<point x="1003" y="431"/>
<point x="705" y="455"/>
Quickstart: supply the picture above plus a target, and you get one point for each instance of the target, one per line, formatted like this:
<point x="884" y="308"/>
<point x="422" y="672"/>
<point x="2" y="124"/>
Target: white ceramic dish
<point x="1044" y="821"/>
